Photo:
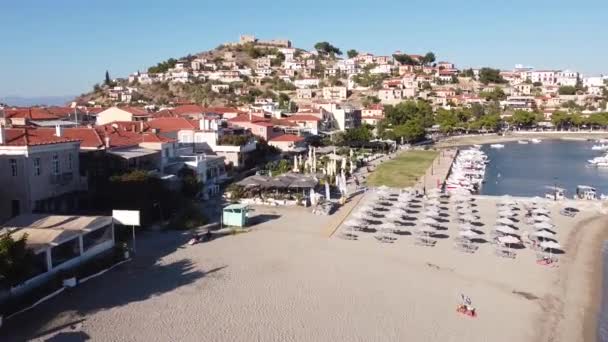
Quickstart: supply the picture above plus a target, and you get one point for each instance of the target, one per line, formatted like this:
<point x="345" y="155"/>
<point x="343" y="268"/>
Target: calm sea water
<point x="526" y="170"/>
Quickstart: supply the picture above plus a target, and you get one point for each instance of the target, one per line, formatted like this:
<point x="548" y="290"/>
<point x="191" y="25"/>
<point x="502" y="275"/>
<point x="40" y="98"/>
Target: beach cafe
<point x="285" y="187"/>
<point x="59" y="242"/>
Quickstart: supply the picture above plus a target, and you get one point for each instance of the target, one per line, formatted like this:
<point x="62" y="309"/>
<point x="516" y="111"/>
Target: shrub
<point x="188" y="218"/>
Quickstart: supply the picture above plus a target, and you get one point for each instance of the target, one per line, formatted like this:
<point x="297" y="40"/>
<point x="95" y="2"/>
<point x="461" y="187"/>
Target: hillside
<point x="199" y="87"/>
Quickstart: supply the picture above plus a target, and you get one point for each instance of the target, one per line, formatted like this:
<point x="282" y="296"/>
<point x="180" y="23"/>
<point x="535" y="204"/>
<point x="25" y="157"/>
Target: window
<point x="96" y="237"/>
<point x="13" y="163"/>
<point x="55" y="164"/>
<point x="37" y="171"/>
<point x="70" y="161"/>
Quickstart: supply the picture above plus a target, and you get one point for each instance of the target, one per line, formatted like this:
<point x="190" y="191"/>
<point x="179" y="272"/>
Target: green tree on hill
<point x="352" y="53"/>
<point x="405" y="59"/>
<point x="567" y="90"/>
<point x="429" y="58"/>
<point x="327" y="49"/>
<point x="108" y="81"/>
<point x="489" y="75"/>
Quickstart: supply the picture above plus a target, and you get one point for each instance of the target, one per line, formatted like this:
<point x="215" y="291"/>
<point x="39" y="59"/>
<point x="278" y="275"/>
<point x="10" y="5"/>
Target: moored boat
<point x="497" y="146"/>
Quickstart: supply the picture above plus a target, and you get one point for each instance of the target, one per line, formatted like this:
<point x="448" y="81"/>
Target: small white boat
<point x="602" y="147"/>
<point x="602" y="141"/>
<point x="497" y="146"/>
<point x="536" y="141"/>
<point x="523" y="142"/>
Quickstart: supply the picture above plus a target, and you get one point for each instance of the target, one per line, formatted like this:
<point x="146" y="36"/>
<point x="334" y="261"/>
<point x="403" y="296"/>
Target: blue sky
<point x="63" y="47"/>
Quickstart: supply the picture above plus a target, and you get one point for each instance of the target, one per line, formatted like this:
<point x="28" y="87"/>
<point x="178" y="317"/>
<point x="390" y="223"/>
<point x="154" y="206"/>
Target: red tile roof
<point x="135" y="110"/>
<point x="33" y="136"/>
<point x="31" y="113"/>
<point x="173" y="124"/>
<point x="287" y="138"/>
<point x="133" y="126"/>
<point x="89" y="138"/>
<point x="222" y="110"/>
<point x="188" y="109"/>
<point x="303" y="117"/>
<point x="120" y="138"/>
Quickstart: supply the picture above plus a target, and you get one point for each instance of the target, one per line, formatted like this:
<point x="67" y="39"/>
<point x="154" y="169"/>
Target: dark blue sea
<point x="528" y="169"/>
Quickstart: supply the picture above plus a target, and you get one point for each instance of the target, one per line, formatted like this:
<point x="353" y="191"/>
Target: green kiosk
<point x="235" y="215"/>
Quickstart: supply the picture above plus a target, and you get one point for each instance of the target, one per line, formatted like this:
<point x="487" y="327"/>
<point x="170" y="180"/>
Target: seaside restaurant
<point x="60" y="242"/>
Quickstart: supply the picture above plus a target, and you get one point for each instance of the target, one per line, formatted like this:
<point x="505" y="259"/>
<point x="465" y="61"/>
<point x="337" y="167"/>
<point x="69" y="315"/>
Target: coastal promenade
<point x="439" y="170"/>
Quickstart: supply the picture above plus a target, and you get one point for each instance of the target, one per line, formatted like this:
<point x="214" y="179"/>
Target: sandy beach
<point x="285" y="280"/>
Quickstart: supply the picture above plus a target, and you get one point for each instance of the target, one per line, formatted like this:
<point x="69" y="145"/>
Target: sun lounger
<point x="467" y="247"/>
<point x="384" y="239"/>
<point x="425" y="242"/>
<point x="505" y="253"/>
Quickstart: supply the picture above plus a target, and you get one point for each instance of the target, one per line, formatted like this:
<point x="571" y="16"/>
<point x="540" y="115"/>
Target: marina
<point x="528" y="170"/>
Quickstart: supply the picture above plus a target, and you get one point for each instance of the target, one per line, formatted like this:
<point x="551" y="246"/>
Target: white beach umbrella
<point x="543" y="225"/>
<point x="394" y="215"/>
<point x="429" y="220"/>
<point x="426" y="229"/>
<point x="464" y="211"/>
<point x="508" y="239"/>
<point x="465" y="226"/>
<point x="543" y="233"/>
<point x="550" y="245"/>
<point x="431" y="213"/>
<point x="386" y="227"/>
<point x="505" y="230"/>
<point x="361" y="215"/>
<point x="433" y="202"/>
<point x="540" y="211"/>
<point x="504" y="220"/>
<point x="542" y="218"/>
<point x="467" y="233"/>
<point x="469" y="217"/>
<point x="354" y="223"/>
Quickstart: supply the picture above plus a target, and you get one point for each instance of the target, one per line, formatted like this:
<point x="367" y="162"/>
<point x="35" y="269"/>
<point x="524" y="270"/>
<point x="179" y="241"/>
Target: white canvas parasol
<point x="467" y="233"/>
<point x="469" y="217"/>
<point x="508" y="239"/>
<point x="542" y="218"/>
<point x="550" y="245"/>
<point x="429" y="220"/>
<point x="504" y="220"/>
<point x="543" y="225"/>
<point x="465" y="226"/>
<point x="354" y="223"/>
<point x="505" y="230"/>
<point x="543" y="233"/>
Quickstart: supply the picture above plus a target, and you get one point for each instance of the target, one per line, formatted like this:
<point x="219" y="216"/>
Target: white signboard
<point x="126" y="217"/>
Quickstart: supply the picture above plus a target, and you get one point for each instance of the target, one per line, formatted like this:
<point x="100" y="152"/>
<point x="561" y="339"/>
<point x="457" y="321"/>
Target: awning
<point x="133" y="152"/>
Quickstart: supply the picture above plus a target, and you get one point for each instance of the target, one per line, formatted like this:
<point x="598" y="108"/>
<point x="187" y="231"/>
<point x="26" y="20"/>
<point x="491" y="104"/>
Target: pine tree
<point x="108" y="81"/>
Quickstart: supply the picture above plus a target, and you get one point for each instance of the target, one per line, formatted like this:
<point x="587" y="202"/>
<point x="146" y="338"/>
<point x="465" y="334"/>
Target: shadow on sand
<point x="262" y="218"/>
<point x="133" y="281"/>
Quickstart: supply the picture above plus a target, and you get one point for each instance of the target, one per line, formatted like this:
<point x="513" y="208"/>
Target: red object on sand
<point x="463" y="310"/>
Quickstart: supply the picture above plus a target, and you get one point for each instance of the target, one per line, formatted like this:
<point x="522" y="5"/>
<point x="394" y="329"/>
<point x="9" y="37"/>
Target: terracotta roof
<point x="222" y="110"/>
<point x="89" y="138"/>
<point x="303" y="117"/>
<point x="255" y="119"/>
<point x="173" y="124"/>
<point x="287" y="137"/>
<point x="122" y="138"/>
<point x="135" y="110"/>
<point x="133" y="126"/>
<point x="34" y="136"/>
<point x="32" y="113"/>
<point x="376" y="106"/>
<point x="188" y="109"/>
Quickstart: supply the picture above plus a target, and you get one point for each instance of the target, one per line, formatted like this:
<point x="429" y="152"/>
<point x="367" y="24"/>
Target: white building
<point x="307" y="83"/>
